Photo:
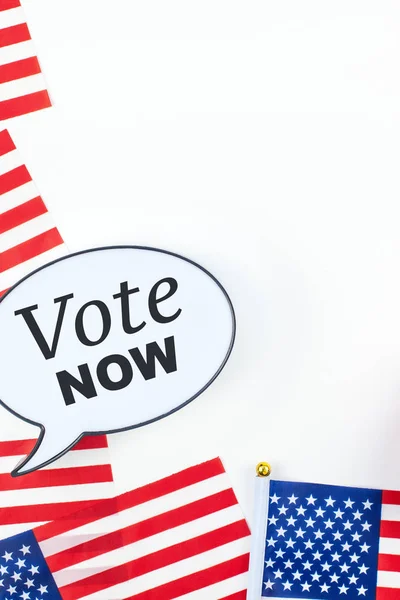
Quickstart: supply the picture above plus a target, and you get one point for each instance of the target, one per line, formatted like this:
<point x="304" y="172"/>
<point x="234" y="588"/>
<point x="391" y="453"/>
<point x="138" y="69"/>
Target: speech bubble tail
<point x="48" y="448"/>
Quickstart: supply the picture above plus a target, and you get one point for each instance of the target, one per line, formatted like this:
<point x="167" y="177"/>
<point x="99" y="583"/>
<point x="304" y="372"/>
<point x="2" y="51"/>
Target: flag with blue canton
<point x="23" y="570"/>
<point x="182" y="535"/>
<point x="330" y="542"/>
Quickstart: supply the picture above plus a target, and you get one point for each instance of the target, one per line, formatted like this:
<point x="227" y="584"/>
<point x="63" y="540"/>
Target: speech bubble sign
<point x="107" y="340"/>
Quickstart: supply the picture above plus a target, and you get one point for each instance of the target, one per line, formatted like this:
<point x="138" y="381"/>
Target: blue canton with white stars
<point x="24" y="573"/>
<point x="322" y="542"/>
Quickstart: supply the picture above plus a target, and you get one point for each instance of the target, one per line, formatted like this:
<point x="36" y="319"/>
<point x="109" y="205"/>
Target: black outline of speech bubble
<point x="15" y="472"/>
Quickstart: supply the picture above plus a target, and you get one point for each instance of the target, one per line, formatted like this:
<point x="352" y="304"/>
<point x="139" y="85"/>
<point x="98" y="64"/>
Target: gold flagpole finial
<point x="263" y="469"/>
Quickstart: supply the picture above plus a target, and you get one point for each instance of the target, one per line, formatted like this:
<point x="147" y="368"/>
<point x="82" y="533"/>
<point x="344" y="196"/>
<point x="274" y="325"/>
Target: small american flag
<point x="75" y="481"/>
<point x="330" y="542"/>
<point x="183" y="536"/>
<point x="28" y="235"/>
<point x="22" y="85"/>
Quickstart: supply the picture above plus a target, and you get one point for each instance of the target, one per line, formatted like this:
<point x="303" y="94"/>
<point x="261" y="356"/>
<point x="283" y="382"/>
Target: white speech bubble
<point x="107" y="340"/>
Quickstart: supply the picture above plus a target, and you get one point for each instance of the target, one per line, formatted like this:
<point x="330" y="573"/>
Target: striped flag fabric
<point x="28" y="240"/>
<point x="22" y="85"/>
<point x="28" y="235"/>
<point x="330" y="542"/>
<point x="74" y="482"/>
<point x="183" y="536"/>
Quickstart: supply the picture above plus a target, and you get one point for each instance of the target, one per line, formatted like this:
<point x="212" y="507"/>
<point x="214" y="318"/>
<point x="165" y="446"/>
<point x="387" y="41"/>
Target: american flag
<point x="28" y="236"/>
<point x="183" y="536"/>
<point x="75" y="481"/>
<point x="22" y="85"/>
<point x="29" y="239"/>
<point x="330" y="542"/>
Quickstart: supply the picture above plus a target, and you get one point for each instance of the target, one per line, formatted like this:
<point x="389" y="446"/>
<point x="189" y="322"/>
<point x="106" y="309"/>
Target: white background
<point x="260" y="139"/>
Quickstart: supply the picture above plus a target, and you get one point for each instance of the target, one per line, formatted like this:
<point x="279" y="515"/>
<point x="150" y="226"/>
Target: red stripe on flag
<point x="389" y="562"/>
<point x="14" y="35"/>
<point x="197" y="581"/>
<point x="41" y="512"/>
<point x="23" y="447"/>
<point x="387" y="593"/>
<point x="91" y="442"/>
<point x="14" y="179"/>
<point x="7" y="4"/>
<point x="57" y="477"/>
<point x="141" y="495"/>
<point x="144" y="529"/>
<point x="156" y="560"/>
<point x="24" y="104"/>
<point x="22" y="214"/>
<point x="390" y="529"/>
<point x="19" y="69"/>
<point x="390" y="497"/>
<point x="6" y="143"/>
<point x="29" y="249"/>
<point x="17" y="447"/>
<point x="238" y="596"/>
<point x="3" y="292"/>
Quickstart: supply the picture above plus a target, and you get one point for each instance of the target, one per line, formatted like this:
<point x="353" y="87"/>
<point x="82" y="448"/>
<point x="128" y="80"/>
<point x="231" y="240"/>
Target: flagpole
<point x="259" y="531"/>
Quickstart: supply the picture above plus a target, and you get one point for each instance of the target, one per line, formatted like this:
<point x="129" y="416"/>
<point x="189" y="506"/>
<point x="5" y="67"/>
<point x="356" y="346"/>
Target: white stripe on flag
<point x="12" y="16"/>
<point x="389" y="545"/>
<point x="83" y="458"/>
<point x="9" y="530"/>
<point x="8" y="162"/>
<point x="389" y="579"/>
<point x="390" y="512"/>
<point x="50" y="495"/>
<point x="18" y="196"/>
<point x="20" y="87"/>
<point x="26" y="231"/>
<point x="16" y="52"/>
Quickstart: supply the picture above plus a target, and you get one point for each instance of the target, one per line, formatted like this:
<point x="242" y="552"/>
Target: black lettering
<point x="153" y="300"/>
<point x="126" y="372"/>
<point x="47" y="351"/>
<point x="84" y="387"/>
<point x="147" y="365"/>
<point x="106" y="317"/>
<point x="125" y="308"/>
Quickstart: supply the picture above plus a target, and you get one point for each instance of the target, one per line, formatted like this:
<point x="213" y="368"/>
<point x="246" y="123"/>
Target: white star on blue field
<point x="322" y="542"/>
<point x="24" y="573"/>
